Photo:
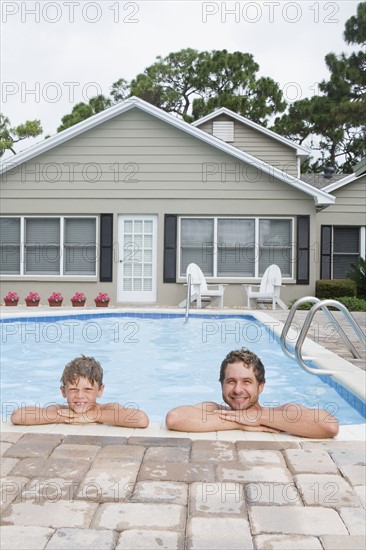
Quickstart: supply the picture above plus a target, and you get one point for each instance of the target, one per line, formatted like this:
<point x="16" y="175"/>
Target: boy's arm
<point x="290" y="418"/>
<point x="109" y="413"/>
<point x="205" y="417"/>
<point x="30" y="416"/>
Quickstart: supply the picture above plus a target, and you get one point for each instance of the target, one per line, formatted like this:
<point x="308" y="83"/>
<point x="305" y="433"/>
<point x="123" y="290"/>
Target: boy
<point x="82" y="384"/>
<point x="242" y="379"/>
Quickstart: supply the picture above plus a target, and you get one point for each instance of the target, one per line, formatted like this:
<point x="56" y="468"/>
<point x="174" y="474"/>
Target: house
<point x="123" y="201"/>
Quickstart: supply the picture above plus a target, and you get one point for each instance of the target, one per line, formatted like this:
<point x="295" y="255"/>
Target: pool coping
<point x="345" y="373"/>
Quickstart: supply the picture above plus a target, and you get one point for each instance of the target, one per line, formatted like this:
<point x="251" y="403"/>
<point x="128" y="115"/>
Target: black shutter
<point x="106" y="248"/>
<point x="170" y="248"/>
<point x="303" y="250"/>
<point x="326" y="251"/>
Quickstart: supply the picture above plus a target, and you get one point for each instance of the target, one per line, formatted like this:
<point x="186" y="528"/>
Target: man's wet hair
<point x="85" y="367"/>
<point x="249" y="359"/>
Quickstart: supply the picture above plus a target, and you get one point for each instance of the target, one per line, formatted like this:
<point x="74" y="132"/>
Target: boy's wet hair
<point x="247" y="357"/>
<point x="86" y="367"/>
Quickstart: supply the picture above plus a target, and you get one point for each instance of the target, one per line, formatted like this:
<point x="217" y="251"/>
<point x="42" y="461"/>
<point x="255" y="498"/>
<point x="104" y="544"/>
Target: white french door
<point x="137" y="237"/>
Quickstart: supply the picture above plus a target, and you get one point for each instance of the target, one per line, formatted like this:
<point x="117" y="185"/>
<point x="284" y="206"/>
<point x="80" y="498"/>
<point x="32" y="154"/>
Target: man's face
<point x="240" y="389"/>
<point x="81" y="394"/>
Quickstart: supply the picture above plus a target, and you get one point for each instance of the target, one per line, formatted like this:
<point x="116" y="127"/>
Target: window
<point x="346" y="250"/>
<point x="48" y="246"/>
<point x="236" y="247"/>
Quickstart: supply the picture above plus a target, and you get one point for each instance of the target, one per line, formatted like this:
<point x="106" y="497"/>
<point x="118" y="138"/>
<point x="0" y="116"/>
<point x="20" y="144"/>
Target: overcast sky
<point x="57" y="53"/>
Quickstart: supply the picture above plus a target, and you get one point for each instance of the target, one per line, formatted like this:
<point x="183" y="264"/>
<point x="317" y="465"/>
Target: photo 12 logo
<point x="70" y="12"/>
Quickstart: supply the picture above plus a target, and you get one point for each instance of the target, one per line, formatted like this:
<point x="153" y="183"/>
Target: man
<point x="242" y="378"/>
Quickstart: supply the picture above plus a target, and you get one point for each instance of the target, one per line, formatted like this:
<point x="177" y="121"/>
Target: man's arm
<point x="205" y="417"/>
<point x="110" y="413"/>
<point x="290" y="418"/>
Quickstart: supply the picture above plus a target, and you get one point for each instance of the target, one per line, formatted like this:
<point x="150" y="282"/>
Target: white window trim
<point x="61" y="275"/>
<point x="256" y="277"/>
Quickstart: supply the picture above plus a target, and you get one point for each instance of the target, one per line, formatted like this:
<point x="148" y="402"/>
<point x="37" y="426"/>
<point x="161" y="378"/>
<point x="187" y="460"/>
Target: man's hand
<point x="249" y="419"/>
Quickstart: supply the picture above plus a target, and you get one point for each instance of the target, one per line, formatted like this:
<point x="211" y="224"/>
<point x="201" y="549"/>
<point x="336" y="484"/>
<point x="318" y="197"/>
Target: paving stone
<point x="354" y="518"/>
<point x="296" y="520"/>
<point x="71" y="451"/>
<point x="360" y="491"/>
<point x="208" y="533"/>
<point x="150" y="539"/>
<point x="331" y="445"/>
<point x="37" y="467"/>
<point x="286" y="542"/>
<point x="10" y="437"/>
<point x="272" y="494"/>
<point x="303" y="461"/>
<point x="10" y="488"/>
<point x="347" y="457"/>
<point x="170" y="471"/>
<point x="95" y="440"/>
<point x="216" y="498"/>
<point x="167" y="454"/>
<point x="6" y="465"/>
<point x="109" y="484"/>
<point x="127" y="453"/>
<point x="326" y="490"/>
<point x="82" y="539"/>
<point x="57" y="514"/>
<point x="15" y="537"/>
<point x="213" y="451"/>
<point x="34" y="445"/>
<point x="121" y="516"/>
<point x="343" y="542"/>
<point x="267" y="445"/>
<point x="50" y="489"/>
<point x="5" y="446"/>
<point x="181" y="442"/>
<point x="233" y="471"/>
<point x="261" y="458"/>
<point x="169" y="492"/>
<point x="355" y="475"/>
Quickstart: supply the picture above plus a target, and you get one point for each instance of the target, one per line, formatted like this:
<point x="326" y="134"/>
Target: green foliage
<point x="9" y="136"/>
<point x="82" y="111"/>
<point x="358" y="274"/>
<point x="334" y="122"/>
<point x="325" y="288"/>
<point x="351" y="303"/>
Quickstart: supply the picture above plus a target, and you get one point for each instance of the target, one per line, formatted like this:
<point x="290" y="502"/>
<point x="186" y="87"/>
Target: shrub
<point x="357" y="273"/>
<point x="351" y="303"/>
<point x="328" y="289"/>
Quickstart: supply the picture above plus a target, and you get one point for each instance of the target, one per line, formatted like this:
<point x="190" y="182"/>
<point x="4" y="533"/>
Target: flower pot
<point x="75" y="303"/>
<point x="11" y="303"/>
<point x="30" y="303"/>
<point x="54" y="303"/>
<point x="101" y="304"/>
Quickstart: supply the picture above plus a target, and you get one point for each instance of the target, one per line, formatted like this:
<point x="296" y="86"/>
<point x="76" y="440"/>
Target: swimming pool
<point x="154" y="361"/>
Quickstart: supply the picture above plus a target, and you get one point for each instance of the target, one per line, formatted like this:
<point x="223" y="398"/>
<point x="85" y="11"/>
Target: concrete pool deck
<point x="103" y="487"/>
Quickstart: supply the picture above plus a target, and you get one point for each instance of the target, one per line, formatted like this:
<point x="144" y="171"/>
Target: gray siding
<point x="349" y="208"/>
<point x="260" y="145"/>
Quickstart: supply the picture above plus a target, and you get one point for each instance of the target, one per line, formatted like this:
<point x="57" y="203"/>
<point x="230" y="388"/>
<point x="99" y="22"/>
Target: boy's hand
<point x="87" y="417"/>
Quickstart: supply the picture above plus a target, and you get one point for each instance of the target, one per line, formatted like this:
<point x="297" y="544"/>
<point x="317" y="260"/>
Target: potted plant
<point x="11" y="299"/>
<point x="102" y="300"/>
<point x="33" y="299"/>
<point x="78" y="300"/>
<point x="55" y="300"/>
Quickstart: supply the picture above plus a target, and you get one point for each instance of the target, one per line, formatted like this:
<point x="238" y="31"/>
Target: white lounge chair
<point x="199" y="289"/>
<point x="269" y="289"/>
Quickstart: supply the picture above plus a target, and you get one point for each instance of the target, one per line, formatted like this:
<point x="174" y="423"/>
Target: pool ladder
<point x="188" y="302"/>
<point x="323" y="305"/>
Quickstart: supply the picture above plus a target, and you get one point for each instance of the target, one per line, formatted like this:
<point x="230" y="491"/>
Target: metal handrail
<point x="318" y="304"/>
<point x="188" y="297"/>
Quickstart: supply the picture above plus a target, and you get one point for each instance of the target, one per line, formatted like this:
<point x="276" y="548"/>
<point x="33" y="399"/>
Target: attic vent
<point x="223" y="129"/>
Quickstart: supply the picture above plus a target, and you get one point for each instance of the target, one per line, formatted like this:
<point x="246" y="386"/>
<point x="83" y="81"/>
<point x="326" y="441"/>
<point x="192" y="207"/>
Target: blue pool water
<point x="156" y="363"/>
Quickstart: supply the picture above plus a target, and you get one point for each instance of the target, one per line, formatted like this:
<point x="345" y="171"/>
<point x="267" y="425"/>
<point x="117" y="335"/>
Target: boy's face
<point x="81" y="394"/>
